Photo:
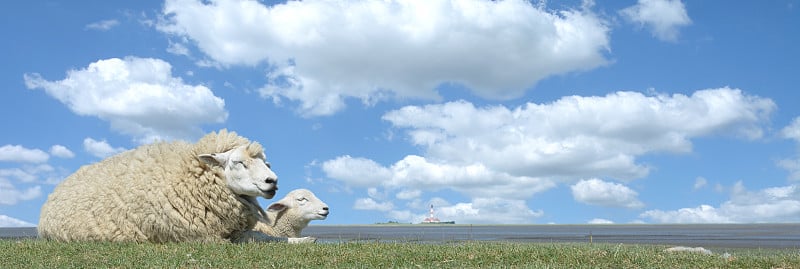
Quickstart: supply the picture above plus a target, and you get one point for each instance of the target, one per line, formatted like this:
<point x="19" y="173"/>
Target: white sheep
<point x="290" y="215"/>
<point x="166" y="192"/>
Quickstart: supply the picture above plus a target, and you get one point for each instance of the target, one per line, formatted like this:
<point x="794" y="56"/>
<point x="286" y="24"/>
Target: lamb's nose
<point x="325" y="208"/>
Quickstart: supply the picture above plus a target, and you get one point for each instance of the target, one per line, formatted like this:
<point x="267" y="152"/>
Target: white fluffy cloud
<point x="513" y="153"/>
<point x="793" y="166"/>
<point x="10" y="195"/>
<point x="419" y="173"/>
<point x="29" y="174"/>
<point x="478" y="211"/>
<point x="662" y="17"/>
<point x="37" y="174"/>
<point x="699" y="183"/>
<point x="103" y="25"/>
<point x="20" y="174"/>
<point x="597" y="192"/>
<point x="408" y="194"/>
<point x="137" y="96"/>
<point x="61" y="151"/>
<point x="496" y="197"/>
<point x="777" y="204"/>
<point x="100" y="148"/>
<point x="18" y="153"/>
<point x="700" y="214"/>
<point x="358" y="172"/>
<point x="321" y="52"/>
<point x="22" y="183"/>
<point x="371" y="204"/>
<point x="579" y="137"/>
<point x="489" y="210"/>
<point x="792" y="131"/>
<point x="6" y="221"/>
<point x="600" y="221"/>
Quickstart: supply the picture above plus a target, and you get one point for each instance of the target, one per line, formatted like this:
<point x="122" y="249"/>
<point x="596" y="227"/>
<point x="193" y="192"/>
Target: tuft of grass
<point x="33" y="253"/>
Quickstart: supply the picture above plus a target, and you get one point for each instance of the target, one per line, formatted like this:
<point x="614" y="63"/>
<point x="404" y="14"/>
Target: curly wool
<point x="159" y="192"/>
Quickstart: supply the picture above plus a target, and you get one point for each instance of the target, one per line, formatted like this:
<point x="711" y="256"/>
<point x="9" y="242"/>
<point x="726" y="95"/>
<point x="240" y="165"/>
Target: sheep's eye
<point x="240" y="162"/>
<point x="302" y="199"/>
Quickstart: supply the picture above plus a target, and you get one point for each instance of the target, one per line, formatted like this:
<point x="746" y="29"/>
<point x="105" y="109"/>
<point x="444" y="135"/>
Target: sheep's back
<point x="122" y="198"/>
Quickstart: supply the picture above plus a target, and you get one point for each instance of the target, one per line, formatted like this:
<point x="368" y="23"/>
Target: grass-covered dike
<point x="32" y="253"/>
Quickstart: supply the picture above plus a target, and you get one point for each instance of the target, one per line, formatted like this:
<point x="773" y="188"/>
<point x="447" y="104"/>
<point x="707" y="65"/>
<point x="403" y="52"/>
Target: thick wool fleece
<point x="155" y="193"/>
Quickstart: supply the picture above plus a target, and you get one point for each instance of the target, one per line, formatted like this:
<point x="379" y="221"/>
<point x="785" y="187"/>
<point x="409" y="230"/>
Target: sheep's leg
<point x="255" y="236"/>
<point x="301" y="240"/>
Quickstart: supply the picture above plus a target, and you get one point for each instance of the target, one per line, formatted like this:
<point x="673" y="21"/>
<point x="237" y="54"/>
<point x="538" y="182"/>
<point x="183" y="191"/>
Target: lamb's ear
<point x="277" y="207"/>
<point x="218" y="159"/>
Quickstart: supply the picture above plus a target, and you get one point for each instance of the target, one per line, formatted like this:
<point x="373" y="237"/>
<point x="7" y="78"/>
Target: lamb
<point x="290" y="215"/>
<point x="166" y="192"/>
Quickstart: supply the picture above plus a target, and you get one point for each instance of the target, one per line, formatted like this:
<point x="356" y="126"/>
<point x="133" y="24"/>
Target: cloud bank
<point x="597" y="192"/>
<point x="662" y="17"/>
<point x="579" y="137"/>
<point x="137" y="96"/>
<point x="6" y="221"/>
<point x="496" y="152"/>
<point x="320" y="53"/>
<point x="777" y="204"/>
<point x="22" y="181"/>
<point x="18" y="153"/>
<point x="100" y="148"/>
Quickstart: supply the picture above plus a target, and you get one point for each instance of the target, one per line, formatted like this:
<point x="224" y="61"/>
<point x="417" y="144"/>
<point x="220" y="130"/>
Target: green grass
<point x="44" y="254"/>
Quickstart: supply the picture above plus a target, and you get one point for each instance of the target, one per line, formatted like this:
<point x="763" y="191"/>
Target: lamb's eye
<point x="302" y="199"/>
<point x="240" y="162"/>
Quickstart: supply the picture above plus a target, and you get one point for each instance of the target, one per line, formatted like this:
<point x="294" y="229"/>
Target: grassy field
<point x="43" y="254"/>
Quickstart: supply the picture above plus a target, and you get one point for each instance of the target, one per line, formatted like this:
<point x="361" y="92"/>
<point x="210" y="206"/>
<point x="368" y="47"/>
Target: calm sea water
<point x="704" y="235"/>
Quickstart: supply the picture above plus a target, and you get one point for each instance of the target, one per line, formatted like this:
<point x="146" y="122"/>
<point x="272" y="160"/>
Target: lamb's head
<point x="303" y="204"/>
<point x="246" y="174"/>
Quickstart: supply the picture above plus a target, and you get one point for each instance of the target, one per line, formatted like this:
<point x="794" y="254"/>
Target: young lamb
<point x="290" y="215"/>
<point x="166" y="192"/>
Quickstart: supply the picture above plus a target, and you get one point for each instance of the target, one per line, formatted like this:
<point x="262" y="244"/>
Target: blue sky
<point x="493" y="111"/>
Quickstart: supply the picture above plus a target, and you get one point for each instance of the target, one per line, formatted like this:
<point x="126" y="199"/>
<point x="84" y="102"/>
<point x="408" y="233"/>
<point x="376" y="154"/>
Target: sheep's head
<point x="245" y="174"/>
<point x="304" y="205"/>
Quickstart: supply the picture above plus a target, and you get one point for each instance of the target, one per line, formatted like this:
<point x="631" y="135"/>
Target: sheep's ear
<point x="277" y="207"/>
<point x="214" y="159"/>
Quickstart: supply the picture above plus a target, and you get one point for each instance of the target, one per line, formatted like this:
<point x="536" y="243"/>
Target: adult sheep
<point x="290" y="215"/>
<point x="165" y="192"/>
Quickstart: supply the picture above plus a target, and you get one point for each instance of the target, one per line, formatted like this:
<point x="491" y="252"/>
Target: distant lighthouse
<point x="431" y="218"/>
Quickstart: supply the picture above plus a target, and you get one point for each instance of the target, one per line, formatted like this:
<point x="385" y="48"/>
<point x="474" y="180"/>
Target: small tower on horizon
<point x="431" y="218"/>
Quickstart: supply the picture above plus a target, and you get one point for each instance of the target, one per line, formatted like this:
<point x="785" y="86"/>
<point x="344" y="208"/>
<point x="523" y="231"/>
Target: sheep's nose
<point x="274" y="183"/>
<point x="324" y="212"/>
